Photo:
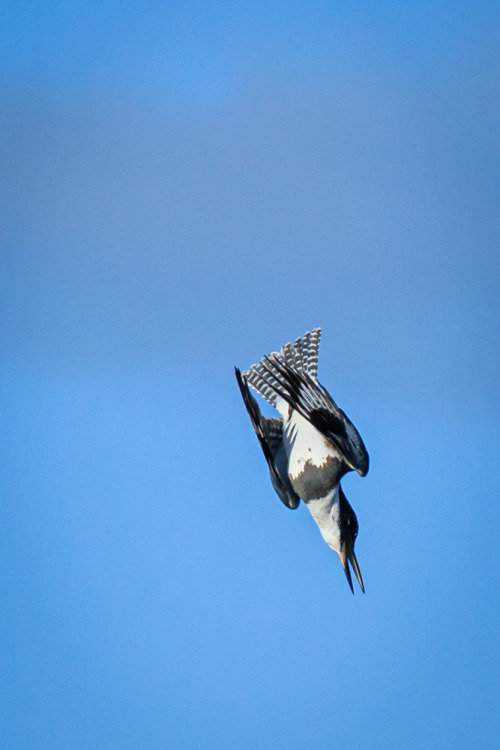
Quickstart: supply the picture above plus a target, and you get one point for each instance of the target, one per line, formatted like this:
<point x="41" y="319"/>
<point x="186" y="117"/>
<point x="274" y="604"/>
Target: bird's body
<point x="313" y="463"/>
<point x="312" y="446"/>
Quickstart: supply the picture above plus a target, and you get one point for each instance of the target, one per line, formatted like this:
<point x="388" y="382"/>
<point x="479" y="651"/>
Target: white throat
<point x="326" y="513"/>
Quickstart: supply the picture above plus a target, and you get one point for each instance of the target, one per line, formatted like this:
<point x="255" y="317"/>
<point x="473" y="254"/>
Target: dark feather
<point x="269" y="432"/>
<point x="315" y="404"/>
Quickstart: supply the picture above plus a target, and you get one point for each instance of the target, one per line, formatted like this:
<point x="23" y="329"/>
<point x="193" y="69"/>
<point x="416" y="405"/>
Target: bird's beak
<point x="348" y="556"/>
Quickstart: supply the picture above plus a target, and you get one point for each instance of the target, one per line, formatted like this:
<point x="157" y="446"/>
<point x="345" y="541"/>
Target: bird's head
<point x="348" y="524"/>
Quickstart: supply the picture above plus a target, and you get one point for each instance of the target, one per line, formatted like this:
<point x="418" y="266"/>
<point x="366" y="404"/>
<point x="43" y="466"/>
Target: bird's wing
<point x="301" y="356"/>
<point x="269" y="432"/>
<point x="315" y="404"/>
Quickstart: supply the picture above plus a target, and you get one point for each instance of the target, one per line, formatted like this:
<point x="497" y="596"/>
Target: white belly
<point x="304" y="444"/>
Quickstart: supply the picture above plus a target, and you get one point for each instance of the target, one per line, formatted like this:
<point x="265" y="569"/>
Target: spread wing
<point x="314" y="403"/>
<point x="269" y="432"/>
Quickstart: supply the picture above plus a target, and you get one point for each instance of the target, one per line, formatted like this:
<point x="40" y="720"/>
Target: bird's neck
<point x="326" y="513"/>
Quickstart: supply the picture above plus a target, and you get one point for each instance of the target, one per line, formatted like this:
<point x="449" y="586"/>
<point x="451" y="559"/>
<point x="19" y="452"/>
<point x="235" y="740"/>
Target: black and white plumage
<point x="313" y="444"/>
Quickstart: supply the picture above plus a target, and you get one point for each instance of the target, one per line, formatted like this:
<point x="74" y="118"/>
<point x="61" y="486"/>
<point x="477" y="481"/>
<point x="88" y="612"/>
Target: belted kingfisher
<point x="312" y="445"/>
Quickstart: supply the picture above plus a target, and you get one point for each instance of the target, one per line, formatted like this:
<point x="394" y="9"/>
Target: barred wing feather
<point x="301" y="356"/>
<point x="314" y="403"/>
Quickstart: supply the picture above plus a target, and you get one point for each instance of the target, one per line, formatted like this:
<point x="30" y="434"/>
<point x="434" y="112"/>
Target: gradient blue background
<point x="185" y="187"/>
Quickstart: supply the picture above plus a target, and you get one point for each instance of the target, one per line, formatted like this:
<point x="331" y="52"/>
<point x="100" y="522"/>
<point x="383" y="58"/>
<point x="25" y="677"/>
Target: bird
<point x="311" y="446"/>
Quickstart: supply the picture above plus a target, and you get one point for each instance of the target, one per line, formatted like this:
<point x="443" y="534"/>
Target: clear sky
<point x="185" y="187"/>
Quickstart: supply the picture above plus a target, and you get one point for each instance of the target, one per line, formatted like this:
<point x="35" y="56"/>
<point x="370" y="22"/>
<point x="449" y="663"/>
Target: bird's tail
<point x="301" y="356"/>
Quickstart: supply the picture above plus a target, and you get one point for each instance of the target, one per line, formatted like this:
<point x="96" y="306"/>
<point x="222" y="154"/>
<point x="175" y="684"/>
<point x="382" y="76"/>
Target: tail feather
<point x="262" y="382"/>
<point x="310" y="353"/>
<point x="301" y="356"/>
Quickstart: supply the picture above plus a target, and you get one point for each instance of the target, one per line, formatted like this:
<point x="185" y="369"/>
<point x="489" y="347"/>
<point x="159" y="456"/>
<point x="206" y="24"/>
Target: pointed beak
<point x="348" y="556"/>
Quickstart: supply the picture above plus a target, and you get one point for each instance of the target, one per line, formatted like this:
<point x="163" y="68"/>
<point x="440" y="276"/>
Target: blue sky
<point x="186" y="187"/>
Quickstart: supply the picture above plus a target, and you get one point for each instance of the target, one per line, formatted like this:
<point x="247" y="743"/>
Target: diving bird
<point x="311" y="446"/>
